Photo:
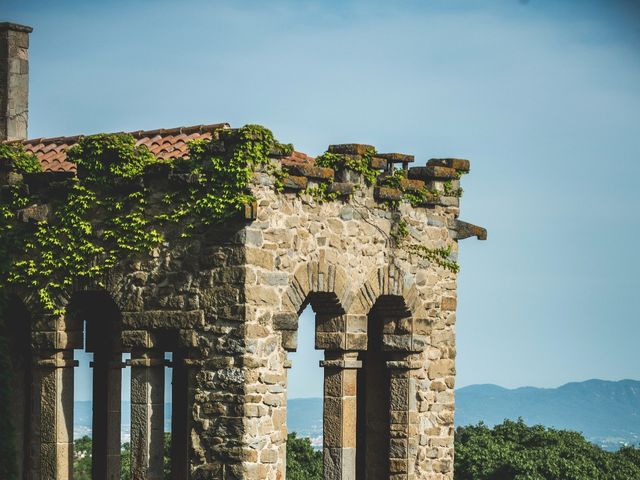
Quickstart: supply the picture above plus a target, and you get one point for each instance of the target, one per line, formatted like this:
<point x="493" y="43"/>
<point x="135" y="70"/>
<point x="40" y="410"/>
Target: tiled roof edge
<point x="136" y="134"/>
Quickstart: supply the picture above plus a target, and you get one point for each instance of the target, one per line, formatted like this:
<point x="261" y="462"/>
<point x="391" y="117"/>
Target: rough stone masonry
<point x="226" y="303"/>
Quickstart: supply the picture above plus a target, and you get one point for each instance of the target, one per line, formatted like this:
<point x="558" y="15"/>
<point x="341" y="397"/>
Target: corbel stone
<point x="460" y="230"/>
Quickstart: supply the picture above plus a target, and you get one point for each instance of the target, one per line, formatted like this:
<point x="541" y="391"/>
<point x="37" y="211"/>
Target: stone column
<point x="53" y="442"/>
<point x="183" y="394"/>
<point x="19" y="413"/>
<point x="107" y="388"/>
<point x="403" y="415"/>
<point x="147" y="414"/>
<point x="21" y="399"/>
<point x="339" y="422"/>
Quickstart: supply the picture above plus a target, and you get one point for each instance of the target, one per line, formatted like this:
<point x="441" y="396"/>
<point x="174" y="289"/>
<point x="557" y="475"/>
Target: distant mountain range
<point x="607" y="413"/>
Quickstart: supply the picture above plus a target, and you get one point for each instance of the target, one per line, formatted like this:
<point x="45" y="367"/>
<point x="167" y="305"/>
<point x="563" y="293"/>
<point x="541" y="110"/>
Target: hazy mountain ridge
<point x="606" y="412"/>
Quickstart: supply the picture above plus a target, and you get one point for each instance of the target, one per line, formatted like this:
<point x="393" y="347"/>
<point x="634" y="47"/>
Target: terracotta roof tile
<point x="163" y="143"/>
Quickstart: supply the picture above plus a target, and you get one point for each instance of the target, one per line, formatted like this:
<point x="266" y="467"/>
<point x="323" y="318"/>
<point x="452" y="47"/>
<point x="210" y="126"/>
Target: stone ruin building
<point x="226" y="304"/>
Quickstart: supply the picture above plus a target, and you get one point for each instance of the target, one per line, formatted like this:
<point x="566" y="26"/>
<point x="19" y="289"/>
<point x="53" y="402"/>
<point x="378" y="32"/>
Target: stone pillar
<point x="20" y="384"/>
<point x="107" y="388"/>
<point x="53" y="441"/>
<point x="339" y="417"/>
<point x="403" y="415"/>
<point x="14" y="81"/>
<point x="21" y="395"/>
<point x="183" y="394"/>
<point x="147" y="414"/>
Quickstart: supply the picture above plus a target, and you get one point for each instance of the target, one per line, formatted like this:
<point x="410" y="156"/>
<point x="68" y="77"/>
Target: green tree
<point x="515" y="451"/>
<point x="82" y="458"/>
<point x="303" y="462"/>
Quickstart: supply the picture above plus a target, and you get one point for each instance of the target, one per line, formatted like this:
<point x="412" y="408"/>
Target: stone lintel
<point x="163" y="319"/>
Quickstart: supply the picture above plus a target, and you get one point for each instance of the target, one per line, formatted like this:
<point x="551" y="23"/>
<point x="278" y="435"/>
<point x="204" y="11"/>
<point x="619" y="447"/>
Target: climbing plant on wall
<point x="108" y="212"/>
<point x="209" y="186"/>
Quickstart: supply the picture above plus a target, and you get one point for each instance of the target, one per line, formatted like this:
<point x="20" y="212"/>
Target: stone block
<point x="330" y="341"/>
<point x="396" y="157"/>
<point x="441" y="368"/>
<point x="342" y="188"/>
<point x="351" y="148"/>
<point x="387" y="193"/>
<point x="293" y="182"/>
<point x="448" y="303"/>
<point x="285" y="321"/>
<point x="399" y="392"/>
<point x="310" y="171"/>
<point x="459" y="164"/>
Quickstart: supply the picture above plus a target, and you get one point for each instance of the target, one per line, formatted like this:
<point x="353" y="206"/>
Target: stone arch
<point x="387" y="281"/>
<point x="323" y="285"/>
<point x="324" y="280"/>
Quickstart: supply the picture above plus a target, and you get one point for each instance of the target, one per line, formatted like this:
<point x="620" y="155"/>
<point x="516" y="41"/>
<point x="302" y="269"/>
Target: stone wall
<point x="226" y="303"/>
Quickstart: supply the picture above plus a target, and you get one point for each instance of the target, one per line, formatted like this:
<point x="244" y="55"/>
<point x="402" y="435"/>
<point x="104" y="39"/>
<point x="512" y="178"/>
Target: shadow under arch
<point x="15" y="332"/>
<point x="97" y="312"/>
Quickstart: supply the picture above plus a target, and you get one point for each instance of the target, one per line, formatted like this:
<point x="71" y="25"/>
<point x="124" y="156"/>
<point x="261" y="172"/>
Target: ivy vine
<point x="211" y="185"/>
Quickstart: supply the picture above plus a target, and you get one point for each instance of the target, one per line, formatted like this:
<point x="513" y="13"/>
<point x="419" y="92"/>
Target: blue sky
<point x="542" y="96"/>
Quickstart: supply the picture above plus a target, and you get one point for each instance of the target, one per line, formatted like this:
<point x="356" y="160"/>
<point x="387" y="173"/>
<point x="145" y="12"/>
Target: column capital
<point x="346" y="364"/>
<point x="55" y="359"/>
<point x="148" y="362"/>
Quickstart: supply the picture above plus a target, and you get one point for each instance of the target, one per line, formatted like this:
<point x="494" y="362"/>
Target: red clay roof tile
<point x="165" y="144"/>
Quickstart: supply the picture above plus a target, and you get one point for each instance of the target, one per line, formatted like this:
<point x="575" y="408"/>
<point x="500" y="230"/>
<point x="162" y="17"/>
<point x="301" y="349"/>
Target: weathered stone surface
<point x="464" y="230"/>
<point x="433" y="172"/>
<point x="293" y="182"/>
<point x="379" y="163"/>
<point x="387" y="193"/>
<point x="310" y="171"/>
<point x="457" y="163"/>
<point x="351" y="148"/>
<point x="396" y="157"/>
<point x="411" y="184"/>
<point x="341" y="188"/>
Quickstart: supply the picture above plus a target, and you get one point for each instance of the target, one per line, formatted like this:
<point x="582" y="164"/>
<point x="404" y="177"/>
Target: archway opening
<point x="305" y="383"/>
<point x="98" y="384"/>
